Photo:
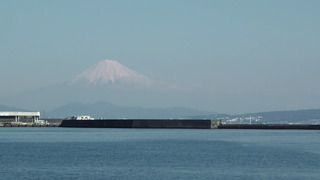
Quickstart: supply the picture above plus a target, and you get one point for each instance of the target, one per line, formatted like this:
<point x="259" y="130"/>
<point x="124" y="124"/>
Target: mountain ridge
<point x="108" y="110"/>
<point x="106" y="80"/>
<point x="11" y="108"/>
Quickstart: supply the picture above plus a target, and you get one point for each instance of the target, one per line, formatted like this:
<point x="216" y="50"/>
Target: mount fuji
<point x="106" y="80"/>
<point x="110" y="72"/>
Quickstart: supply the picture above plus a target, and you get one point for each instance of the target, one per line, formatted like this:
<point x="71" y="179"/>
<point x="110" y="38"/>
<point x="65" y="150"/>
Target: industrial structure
<point x="30" y="117"/>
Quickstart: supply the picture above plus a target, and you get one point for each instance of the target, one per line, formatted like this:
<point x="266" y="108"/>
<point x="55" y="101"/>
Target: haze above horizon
<point x="232" y="56"/>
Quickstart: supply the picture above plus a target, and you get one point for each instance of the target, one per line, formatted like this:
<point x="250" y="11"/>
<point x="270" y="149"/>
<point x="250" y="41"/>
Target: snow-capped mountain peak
<point x="109" y="72"/>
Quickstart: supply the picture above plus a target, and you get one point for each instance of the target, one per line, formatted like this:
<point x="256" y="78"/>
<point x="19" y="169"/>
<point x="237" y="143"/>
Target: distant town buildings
<point x="243" y="120"/>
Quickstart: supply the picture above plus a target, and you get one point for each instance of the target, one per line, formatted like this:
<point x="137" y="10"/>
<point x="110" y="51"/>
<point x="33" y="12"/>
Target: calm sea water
<point x="68" y="153"/>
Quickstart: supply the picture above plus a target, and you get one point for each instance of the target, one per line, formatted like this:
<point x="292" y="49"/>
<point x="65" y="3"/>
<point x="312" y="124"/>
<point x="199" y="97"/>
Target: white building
<point x="80" y="118"/>
<point x="19" y="116"/>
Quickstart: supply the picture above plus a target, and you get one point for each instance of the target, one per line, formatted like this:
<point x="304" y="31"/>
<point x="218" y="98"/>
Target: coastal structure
<point x="80" y="118"/>
<point x="143" y="123"/>
<point x="19" y="117"/>
<point x="178" y="124"/>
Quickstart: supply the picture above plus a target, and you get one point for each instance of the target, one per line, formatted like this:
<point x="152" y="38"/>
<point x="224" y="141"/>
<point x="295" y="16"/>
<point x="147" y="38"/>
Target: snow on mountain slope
<point x="110" y="72"/>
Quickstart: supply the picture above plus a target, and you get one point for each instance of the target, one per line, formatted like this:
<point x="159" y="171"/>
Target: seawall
<point x="177" y="124"/>
<point x="142" y="123"/>
<point x="270" y="126"/>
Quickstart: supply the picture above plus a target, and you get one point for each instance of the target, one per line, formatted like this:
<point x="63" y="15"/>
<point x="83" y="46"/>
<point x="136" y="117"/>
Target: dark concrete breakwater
<point x="142" y="123"/>
<point x="177" y="124"/>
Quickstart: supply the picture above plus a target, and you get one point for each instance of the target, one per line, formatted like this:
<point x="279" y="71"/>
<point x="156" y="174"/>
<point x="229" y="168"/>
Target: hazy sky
<point x="246" y="56"/>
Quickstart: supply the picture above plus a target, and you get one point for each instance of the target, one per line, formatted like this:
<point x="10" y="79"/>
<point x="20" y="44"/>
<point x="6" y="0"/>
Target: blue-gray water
<point x="68" y="153"/>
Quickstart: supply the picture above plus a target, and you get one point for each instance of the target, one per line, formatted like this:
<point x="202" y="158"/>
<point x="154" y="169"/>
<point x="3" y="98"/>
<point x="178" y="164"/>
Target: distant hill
<point x="9" y="108"/>
<point x="210" y="116"/>
<point x="106" y="80"/>
<point x="297" y="116"/>
<point x="107" y="111"/>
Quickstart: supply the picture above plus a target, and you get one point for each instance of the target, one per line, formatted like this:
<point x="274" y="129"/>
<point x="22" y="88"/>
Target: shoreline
<point x="161" y="124"/>
<point x="178" y="124"/>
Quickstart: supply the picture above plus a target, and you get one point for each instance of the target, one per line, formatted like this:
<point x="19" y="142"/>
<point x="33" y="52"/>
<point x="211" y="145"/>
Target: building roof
<point x="19" y="113"/>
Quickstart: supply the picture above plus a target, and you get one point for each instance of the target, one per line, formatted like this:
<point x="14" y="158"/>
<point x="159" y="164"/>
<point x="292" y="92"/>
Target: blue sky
<point x="246" y="56"/>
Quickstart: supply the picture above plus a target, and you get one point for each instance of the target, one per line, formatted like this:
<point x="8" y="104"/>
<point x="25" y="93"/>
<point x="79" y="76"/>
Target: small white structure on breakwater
<point x="80" y="118"/>
<point x="19" y="116"/>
